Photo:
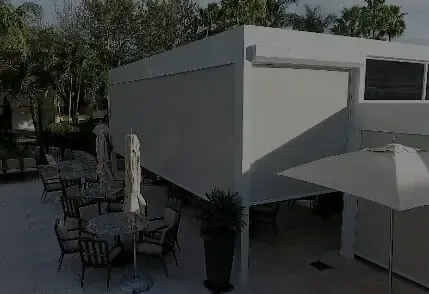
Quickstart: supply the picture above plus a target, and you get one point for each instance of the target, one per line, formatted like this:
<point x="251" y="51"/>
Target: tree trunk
<point x="33" y="115"/>
<point x="70" y="97"/>
<point x="77" y="105"/>
<point x="41" y="138"/>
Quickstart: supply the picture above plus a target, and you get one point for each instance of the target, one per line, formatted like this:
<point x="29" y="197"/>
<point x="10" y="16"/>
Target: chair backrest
<point x="170" y="216"/>
<point x="29" y="162"/>
<point x="49" y="176"/>
<point x="94" y="253"/>
<point x="60" y="232"/>
<point x="71" y="191"/>
<point x="177" y="206"/>
<point x="110" y="177"/>
<point x="13" y="163"/>
<point x="71" y="207"/>
<point x="168" y="237"/>
<point x="69" y="183"/>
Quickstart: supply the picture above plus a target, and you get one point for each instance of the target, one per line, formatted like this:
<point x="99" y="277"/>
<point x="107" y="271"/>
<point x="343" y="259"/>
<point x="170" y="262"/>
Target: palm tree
<point x="393" y="23"/>
<point x="313" y="20"/>
<point x="14" y="25"/>
<point x="349" y="24"/>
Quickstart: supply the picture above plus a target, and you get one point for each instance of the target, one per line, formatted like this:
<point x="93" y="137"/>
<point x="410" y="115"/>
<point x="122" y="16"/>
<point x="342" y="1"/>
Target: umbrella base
<point x="140" y="283"/>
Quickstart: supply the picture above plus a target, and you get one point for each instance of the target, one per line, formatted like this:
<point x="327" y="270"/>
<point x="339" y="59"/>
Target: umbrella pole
<point x="392" y="223"/>
<point x="135" y="256"/>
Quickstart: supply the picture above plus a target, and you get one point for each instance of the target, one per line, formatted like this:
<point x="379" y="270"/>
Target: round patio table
<point x="91" y="193"/>
<point x="78" y="175"/>
<point x="124" y="223"/>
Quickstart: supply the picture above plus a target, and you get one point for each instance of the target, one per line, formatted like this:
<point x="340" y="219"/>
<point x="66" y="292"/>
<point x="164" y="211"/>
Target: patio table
<point x="77" y="175"/>
<point x="124" y="223"/>
<point x="92" y="193"/>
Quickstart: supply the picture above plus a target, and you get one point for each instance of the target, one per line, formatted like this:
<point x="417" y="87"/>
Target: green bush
<point x="62" y="128"/>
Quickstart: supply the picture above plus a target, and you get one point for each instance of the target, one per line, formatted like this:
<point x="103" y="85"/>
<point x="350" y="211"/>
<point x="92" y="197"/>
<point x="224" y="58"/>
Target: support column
<point x="241" y="256"/>
<point x="353" y="143"/>
<point x="348" y="228"/>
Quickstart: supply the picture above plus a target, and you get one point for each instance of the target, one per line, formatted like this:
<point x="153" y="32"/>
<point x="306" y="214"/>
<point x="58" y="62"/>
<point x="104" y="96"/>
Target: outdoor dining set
<point x="99" y="241"/>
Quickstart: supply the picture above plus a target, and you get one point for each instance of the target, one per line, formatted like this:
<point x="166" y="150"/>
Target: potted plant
<point x="221" y="219"/>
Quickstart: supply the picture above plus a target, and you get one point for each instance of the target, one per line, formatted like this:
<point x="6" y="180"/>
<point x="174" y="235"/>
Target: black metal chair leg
<point x="82" y="277"/>
<point x="177" y="244"/>
<point x="175" y="258"/>
<point x="164" y="266"/>
<point x="109" y="269"/>
<point x="60" y="260"/>
<point x="43" y="195"/>
<point x="275" y="228"/>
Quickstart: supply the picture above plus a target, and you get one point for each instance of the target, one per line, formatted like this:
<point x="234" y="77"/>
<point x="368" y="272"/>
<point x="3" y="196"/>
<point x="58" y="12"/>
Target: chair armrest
<point x="53" y="180"/>
<point x="70" y="239"/>
<point x="115" y="247"/>
<point x="151" y="242"/>
<point x="156" y="219"/>
<point x="158" y="230"/>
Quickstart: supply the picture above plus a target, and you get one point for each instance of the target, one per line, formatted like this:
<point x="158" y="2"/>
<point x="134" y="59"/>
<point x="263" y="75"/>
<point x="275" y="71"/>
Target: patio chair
<point x="71" y="187"/>
<point x="13" y="166"/>
<point x="265" y="214"/>
<point x="177" y="206"/>
<point x="71" y="211"/>
<point x="114" y="182"/>
<point x="29" y="165"/>
<point x="97" y="254"/>
<point x="51" y="183"/>
<point x="159" y="244"/>
<point x="67" y="240"/>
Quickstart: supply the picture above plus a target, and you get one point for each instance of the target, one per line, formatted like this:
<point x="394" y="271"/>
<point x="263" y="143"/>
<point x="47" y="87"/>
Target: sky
<point x="417" y="17"/>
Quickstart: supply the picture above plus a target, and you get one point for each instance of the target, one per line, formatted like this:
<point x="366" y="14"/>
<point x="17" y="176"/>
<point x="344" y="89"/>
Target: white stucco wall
<point x="298" y="115"/>
<point x="409" y="117"/>
<point x="217" y="50"/>
<point x="186" y="107"/>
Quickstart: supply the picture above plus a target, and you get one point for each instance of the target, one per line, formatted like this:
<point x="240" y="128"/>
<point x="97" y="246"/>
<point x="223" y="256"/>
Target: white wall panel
<point x="185" y="123"/>
<point x="411" y="255"/>
<point x="299" y="115"/>
<point x="403" y="117"/>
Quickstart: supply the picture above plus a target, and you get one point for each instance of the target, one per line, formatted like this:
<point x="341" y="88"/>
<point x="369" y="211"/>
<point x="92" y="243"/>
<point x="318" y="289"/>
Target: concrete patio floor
<point x="29" y="254"/>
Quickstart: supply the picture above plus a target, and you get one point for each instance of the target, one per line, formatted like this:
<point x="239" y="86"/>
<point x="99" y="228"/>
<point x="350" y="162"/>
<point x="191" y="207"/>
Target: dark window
<point x="393" y="80"/>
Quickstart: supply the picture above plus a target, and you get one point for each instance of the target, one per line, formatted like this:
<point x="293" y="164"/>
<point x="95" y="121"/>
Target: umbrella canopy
<point x="134" y="201"/>
<point x="100" y="128"/>
<point x="394" y="175"/>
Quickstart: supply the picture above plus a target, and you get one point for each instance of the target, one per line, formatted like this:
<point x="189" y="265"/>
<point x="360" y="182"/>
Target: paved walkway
<point x="29" y="253"/>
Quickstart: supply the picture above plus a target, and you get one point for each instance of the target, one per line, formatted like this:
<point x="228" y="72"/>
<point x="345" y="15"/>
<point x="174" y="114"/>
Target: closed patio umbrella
<point x="133" y="201"/>
<point x="102" y="153"/>
<point x="134" y="204"/>
<point x="393" y="175"/>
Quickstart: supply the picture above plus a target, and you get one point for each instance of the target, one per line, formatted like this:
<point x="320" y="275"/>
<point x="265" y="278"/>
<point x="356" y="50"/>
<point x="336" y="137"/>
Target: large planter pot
<point x="219" y="255"/>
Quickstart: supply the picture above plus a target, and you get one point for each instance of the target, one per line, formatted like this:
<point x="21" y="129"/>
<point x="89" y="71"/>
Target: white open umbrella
<point x="394" y="175"/>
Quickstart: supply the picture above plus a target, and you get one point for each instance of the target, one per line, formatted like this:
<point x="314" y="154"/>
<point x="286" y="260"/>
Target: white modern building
<point x="234" y="109"/>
